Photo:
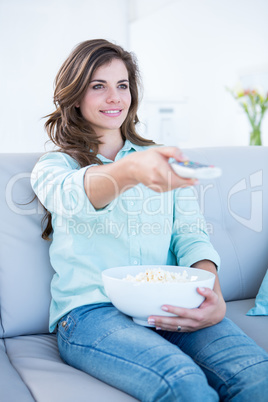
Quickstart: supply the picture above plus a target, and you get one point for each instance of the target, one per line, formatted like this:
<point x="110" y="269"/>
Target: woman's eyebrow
<point x="105" y="82"/>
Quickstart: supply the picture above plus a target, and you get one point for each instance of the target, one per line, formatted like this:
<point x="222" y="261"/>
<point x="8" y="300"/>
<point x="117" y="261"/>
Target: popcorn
<point x="160" y="276"/>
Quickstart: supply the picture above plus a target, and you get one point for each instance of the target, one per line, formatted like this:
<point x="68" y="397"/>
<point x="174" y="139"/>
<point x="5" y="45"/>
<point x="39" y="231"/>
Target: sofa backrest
<point x="236" y="210"/>
<point x="234" y="206"/>
<point x="25" y="270"/>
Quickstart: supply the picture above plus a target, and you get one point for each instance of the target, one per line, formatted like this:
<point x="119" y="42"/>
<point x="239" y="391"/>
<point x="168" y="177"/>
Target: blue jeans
<point x="219" y="362"/>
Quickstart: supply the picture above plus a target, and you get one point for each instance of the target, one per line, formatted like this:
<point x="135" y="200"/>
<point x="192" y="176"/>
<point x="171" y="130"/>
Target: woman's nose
<point x="113" y="96"/>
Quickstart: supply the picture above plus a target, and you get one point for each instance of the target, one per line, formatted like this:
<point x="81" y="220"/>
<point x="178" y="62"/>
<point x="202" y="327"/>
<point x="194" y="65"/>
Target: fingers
<point x="172" y="152"/>
<point x="188" y="319"/>
<point x="168" y="174"/>
<point x="175" y="153"/>
<point x="174" y="324"/>
<point x="152" y="169"/>
<point x="186" y="314"/>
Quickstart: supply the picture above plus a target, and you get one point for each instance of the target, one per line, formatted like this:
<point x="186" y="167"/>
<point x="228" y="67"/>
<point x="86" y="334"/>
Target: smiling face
<point x="107" y="99"/>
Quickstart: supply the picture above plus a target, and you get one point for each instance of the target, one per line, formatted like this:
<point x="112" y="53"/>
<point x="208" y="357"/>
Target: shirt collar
<point x="129" y="145"/>
<point x="126" y="148"/>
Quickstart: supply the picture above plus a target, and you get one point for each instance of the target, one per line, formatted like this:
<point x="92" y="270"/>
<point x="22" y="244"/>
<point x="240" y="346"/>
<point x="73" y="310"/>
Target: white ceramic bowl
<point x="140" y="300"/>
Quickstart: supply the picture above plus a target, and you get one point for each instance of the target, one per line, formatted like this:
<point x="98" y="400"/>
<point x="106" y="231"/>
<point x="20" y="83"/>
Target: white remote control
<point x="195" y="170"/>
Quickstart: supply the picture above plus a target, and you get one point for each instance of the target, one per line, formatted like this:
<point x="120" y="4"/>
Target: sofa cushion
<point x="253" y="326"/>
<point x="261" y="302"/>
<point x="37" y="360"/>
<point x="12" y="387"/>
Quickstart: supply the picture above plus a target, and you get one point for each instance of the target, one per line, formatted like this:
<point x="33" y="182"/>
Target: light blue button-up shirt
<point x="139" y="227"/>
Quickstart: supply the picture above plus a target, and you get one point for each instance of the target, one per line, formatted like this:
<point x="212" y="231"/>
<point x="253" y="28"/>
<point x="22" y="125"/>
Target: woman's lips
<point x="111" y="112"/>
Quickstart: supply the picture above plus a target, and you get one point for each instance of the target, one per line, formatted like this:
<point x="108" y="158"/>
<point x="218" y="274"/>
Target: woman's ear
<point x="77" y="105"/>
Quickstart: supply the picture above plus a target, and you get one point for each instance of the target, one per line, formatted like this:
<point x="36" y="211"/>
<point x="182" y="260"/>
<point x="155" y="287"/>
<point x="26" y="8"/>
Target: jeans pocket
<point x="66" y="327"/>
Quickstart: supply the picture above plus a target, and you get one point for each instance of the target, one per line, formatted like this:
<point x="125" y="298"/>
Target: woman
<point x="112" y="199"/>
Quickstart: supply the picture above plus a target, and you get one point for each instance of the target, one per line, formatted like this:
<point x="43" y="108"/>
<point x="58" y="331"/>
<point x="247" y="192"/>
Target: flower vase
<point x="255" y="136"/>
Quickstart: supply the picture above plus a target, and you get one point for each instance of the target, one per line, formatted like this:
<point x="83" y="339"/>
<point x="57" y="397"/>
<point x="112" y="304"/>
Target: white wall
<point x="36" y="37"/>
<point x="189" y="51"/>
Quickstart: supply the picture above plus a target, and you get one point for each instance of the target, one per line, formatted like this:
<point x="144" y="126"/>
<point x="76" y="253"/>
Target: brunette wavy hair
<point x="66" y="127"/>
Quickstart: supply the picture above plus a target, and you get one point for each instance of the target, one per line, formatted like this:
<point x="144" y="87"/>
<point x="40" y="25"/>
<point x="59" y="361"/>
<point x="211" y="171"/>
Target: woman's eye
<point x="123" y="86"/>
<point x="97" y="86"/>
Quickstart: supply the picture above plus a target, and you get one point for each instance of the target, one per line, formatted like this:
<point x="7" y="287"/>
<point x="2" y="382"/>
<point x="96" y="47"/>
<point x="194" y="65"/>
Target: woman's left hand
<point x="210" y="312"/>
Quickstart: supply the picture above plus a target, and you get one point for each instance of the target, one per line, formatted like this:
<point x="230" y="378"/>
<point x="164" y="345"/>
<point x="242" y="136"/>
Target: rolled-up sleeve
<point x="190" y="241"/>
<point x="58" y="182"/>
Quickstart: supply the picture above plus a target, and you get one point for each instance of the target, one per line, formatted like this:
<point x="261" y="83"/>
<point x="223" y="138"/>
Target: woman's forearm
<point x="106" y="182"/>
<point x="150" y="167"/>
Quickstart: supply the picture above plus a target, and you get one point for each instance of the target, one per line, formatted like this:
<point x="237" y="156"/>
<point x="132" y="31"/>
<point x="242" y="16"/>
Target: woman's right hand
<point x="152" y="169"/>
<point x="104" y="183"/>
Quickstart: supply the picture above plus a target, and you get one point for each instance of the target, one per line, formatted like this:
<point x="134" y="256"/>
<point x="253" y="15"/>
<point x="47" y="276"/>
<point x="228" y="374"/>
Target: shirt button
<point x="133" y="233"/>
<point x="131" y="203"/>
<point x="63" y="324"/>
<point x="135" y="262"/>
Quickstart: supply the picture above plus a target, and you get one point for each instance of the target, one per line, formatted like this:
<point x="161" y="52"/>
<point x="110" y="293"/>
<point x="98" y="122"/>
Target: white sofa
<point x="236" y="209"/>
